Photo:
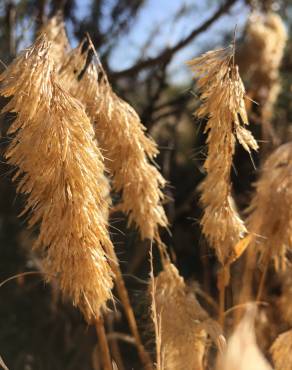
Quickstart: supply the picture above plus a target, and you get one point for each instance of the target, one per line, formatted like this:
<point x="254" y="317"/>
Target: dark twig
<point x="168" y="53"/>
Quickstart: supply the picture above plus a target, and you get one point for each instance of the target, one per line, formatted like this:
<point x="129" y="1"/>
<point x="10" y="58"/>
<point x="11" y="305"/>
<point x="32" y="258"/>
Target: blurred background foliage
<point x="143" y="45"/>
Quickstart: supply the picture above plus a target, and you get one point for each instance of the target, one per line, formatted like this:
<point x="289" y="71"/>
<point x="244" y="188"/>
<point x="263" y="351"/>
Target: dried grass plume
<point x="270" y="218"/>
<point x="60" y="170"/>
<point x="121" y="135"/>
<point x="184" y="324"/>
<point x="260" y="57"/>
<point x="222" y="96"/>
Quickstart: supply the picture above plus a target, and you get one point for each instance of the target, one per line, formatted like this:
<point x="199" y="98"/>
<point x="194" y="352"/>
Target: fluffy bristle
<point x="222" y="95"/>
<point x="122" y="137"/>
<point x="60" y="169"/>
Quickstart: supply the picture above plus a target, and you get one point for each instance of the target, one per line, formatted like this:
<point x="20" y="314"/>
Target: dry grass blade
<point x="122" y="137"/>
<point x="242" y="352"/>
<point x="2" y="364"/>
<point x="60" y="169"/>
<point x="184" y="324"/>
<point x="222" y="96"/>
<point x="281" y="351"/>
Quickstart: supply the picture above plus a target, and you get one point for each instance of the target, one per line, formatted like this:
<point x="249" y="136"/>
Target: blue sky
<point x="159" y="12"/>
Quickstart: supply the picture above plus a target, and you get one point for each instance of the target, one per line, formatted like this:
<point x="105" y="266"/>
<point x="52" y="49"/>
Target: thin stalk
<point x="155" y="316"/>
<point x="222" y="282"/>
<point x="264" y="274"/>
<point x="124" y="297"/>
<point x="221" y="304"/>
<point x="103" y="344"/>
<point x="206" y="273"/>
<point x="113" y="342"/>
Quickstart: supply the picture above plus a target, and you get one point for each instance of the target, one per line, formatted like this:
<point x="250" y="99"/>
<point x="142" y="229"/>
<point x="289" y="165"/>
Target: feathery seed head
<point x="122" y="137"/>
<point x="183" y="335"/>
<point x="260" y="58"/>
<point x="61" y="171"/>
<point x="222" y="96"/>
<point x="270" y="218"/>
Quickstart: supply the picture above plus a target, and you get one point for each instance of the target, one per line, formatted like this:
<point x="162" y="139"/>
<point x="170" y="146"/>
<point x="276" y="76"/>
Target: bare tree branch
<point x="168" y="53"/>
<point x="10" y="23"/>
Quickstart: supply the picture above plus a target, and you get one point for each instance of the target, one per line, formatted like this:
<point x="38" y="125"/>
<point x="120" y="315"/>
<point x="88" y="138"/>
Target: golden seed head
<point x="222" y="96"/>
<point x="270" y="219"/>
<point x="128" y="151"/>
<point x="260" y="57"/>
<point x="60" y="169"/>
<point x="183" y="334"/>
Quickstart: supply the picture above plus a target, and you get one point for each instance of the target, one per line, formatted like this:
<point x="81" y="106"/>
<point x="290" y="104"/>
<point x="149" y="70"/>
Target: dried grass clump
<point x="242" y="351"/>
<point x="261" y="56"/>
<point x="182" y="322"/>
<point x="270" y="219"/>
<point x="281" y="351"/>
<point x="60" y="170"/>
<point x="55" y="32"/>
<point x="222" y="95"/>
<point x="121" y="135"/>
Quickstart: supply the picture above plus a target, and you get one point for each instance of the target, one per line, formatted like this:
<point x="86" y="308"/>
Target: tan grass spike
<point x="184" y="324"/>
<point x="222" y="96"/>
<point x="270" y="218"/>
<point x="121" y="135"/>
<point x="60" y="170"/>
